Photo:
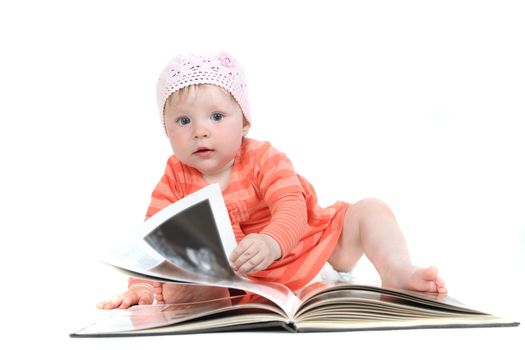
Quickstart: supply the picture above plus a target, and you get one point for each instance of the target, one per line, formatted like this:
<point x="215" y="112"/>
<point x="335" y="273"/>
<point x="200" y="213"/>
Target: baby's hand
<point x="136" y="294"/>
<point x="255" y="252"/>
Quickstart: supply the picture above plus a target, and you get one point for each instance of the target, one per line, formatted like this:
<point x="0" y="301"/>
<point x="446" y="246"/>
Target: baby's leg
<point x="370" y="228"/>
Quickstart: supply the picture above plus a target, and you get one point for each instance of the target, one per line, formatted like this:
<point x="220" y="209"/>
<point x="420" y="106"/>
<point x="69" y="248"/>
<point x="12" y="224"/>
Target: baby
<point x="283" y="235"/>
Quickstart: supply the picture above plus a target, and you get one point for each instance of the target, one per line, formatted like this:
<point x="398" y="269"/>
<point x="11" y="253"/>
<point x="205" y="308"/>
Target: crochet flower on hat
<point x="226" y="60"/>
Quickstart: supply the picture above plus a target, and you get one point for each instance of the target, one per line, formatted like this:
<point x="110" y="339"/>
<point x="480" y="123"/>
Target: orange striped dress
<point x="265" y="195"/>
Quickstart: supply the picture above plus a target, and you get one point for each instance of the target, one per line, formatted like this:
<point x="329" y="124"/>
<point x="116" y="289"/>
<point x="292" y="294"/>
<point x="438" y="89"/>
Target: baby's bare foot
<point x="414" y="278"/>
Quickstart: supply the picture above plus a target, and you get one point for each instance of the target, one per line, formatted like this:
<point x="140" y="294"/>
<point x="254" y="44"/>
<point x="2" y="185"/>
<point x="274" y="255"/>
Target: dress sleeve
<point x="167" y="191"/>
<point x="282" y="191"/>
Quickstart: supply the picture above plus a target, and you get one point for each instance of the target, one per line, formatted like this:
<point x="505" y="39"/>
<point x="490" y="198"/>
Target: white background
<point x="420" y="104"/>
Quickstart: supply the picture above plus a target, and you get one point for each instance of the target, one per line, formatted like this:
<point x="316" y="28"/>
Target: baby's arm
<point x="281" y="189"/>
<point x="140" y="292"/>
<point x="256" y="252"/>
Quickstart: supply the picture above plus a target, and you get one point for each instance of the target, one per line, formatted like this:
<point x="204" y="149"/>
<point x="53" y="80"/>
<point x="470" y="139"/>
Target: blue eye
<point x="216" y="117"/>
<point x="183" y="121"/>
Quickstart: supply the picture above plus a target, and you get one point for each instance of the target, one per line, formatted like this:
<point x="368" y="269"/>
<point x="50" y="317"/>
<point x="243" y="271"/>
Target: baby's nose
<point x="201" y="132"/>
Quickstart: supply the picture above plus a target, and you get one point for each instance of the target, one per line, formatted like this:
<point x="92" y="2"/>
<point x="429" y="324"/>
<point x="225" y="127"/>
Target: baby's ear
<point x="245" y="127"/>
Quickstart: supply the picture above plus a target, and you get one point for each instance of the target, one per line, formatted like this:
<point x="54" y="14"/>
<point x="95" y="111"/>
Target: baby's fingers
<point x="241" y="254"/>
<point x="252" y="264"/>
<point x="145" y="298"/>
<point x="110" y="303"/>
<point x="127" y="301"/>
<point x="259" y="267"/>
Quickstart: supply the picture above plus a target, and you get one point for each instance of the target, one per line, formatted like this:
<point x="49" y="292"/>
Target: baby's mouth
<point x="204" y="152"/>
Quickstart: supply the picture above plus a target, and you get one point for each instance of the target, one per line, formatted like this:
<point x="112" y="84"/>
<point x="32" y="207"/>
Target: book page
<point x="190" y="241"/>
<point x="427" y="299"/>
<point x="192" y="316"/>
<point x="207" y="217"/>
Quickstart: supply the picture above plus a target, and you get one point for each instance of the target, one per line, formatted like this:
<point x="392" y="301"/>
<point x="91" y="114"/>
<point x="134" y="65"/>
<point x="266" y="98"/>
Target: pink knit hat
<point x="192" y="69"/>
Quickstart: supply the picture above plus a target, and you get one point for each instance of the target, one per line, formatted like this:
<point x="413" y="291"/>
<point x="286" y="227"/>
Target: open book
<point x="190" y="242"/>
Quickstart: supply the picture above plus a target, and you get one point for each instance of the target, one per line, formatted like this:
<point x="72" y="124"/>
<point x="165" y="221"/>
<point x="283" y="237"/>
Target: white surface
<point x="418" y="104"/>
